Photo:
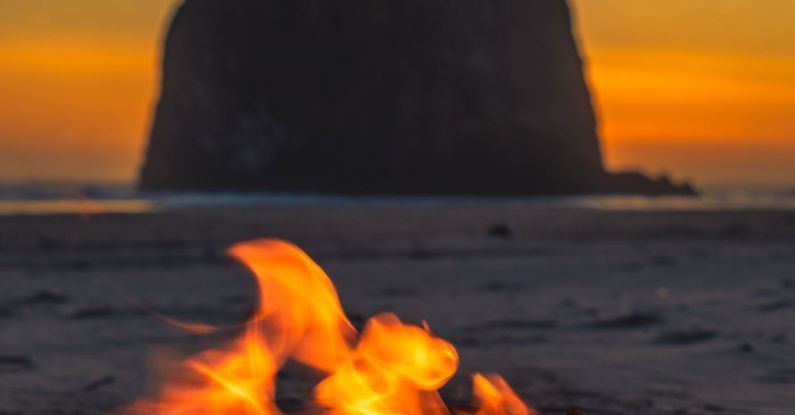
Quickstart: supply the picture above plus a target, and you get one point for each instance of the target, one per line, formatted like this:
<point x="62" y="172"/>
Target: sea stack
<point x="378" y="97"/>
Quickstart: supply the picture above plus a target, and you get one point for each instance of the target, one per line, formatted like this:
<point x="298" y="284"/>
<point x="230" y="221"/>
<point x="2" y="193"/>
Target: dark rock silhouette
<point x="378" y="97"/>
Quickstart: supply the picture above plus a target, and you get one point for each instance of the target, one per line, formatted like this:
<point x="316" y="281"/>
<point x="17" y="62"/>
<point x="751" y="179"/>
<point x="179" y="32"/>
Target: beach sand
<point x="614" y="311"/>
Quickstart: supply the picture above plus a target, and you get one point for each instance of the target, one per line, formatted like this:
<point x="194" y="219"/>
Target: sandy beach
<point x="614" y="311"/>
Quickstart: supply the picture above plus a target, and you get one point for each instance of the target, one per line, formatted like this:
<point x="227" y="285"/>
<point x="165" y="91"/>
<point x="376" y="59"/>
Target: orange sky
<point x="699" y="88"/>
<point x="78" y="79"/>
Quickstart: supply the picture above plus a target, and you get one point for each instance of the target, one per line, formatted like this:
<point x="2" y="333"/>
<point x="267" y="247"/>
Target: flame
<point x="395" y="369"/>
<point x="495" y="397"/>
<point x="392" y="368"/>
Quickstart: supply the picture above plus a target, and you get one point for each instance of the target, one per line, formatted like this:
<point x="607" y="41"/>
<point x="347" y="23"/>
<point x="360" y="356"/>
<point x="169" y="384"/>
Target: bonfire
<point x="390" y="368"/>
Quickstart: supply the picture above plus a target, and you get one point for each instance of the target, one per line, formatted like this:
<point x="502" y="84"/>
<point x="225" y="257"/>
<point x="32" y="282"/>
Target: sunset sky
<point x="702" y="89"/>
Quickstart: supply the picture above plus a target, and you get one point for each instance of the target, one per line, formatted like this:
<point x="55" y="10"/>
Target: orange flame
<point x="392" y="368"/>
<point x="495" y="397"/>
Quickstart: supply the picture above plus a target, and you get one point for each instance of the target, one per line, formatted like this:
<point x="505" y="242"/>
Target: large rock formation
<point x="376" y="97"/>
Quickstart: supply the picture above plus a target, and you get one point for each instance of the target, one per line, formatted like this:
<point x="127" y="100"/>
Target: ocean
<point x="92" y="198"/>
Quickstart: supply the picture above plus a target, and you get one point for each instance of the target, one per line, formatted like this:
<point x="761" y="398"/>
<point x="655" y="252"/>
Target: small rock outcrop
<point x="377" y="97"/>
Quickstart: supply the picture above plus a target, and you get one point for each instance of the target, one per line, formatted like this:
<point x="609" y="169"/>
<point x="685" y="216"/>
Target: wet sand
<point x="618" y="312"/>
